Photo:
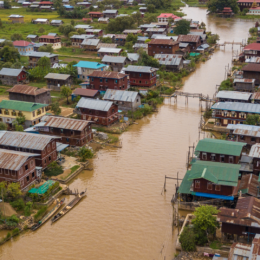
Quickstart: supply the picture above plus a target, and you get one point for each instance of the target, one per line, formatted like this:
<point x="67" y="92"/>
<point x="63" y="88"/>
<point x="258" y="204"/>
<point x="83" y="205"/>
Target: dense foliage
<point x="215" y="6"/>
<point x="53" y="169"/>
<point x="226" y="85"/>
<point x="120" y="24"/>
<point x="252" y="120"/>
<point x="187" y="239"/>
<point x="146" y="60"/>
<point x="182" y="27"/>
<point x="85" y="154"/>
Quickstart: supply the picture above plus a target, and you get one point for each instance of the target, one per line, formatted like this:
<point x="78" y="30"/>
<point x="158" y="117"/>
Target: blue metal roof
<point x="90" y="65"/>
<point x="238" y="106"/>
<point x="213" y="196"/>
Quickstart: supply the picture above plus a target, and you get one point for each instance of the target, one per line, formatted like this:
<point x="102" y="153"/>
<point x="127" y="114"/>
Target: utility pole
<point x="3" y="202"/>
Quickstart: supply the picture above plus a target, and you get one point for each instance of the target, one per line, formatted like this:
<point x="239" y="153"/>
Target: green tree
<point x="3" y="188"/>
<point x="120" y="24"/>
<point x="1" y="23"/>
<point x="85" y="153"/>
<point x="47" y="48"/>
<point x="252" y="119"/>
<point x="18" y="128"/>
<point x="3" y="126"/>
<point x="146" y="60"/>
<point x="72" y="22"/>
<point x="55" y="108"/>
<point x="218" y="5"/>
<point x="16" y="37"/>
<point x="182" y="27"/>
<point x="131" y="38"/>
<point x="151" y="8"/>
<point x="212" y="39"/>
<point x="138" y="18"/>
<point x="67" y="29"/>
<point x="187" y="240"/>
<point x="149" y="18"/>
<point x="57" y="4"/>
<point x="16" y="65"/>
<point x="28" y="208"/>
<point x="9" y="54"/>
<point x="66" y="92"/>
<point x="41" y="30"/>
<point x="81" y="31"/>
<point x="20" y="120"/>
<point x="7" y="4"/>
<point x="14" y="189"/>
<point x="106" y="39"/>
<point x="44" y="63"/>
<point x="205" y="220"/>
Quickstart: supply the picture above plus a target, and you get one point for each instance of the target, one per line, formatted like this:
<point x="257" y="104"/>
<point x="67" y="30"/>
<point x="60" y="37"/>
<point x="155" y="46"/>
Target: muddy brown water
<point x="124" y="215"/>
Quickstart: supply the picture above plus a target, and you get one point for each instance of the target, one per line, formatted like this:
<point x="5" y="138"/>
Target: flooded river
<point x="125" y="216"/>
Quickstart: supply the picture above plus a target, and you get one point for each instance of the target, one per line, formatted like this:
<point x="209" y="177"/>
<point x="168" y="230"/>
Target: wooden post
<point x="164" y="188"/>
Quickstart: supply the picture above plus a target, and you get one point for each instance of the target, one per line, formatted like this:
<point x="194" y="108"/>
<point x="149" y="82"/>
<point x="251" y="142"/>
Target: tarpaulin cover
<point x="43" y="188"/>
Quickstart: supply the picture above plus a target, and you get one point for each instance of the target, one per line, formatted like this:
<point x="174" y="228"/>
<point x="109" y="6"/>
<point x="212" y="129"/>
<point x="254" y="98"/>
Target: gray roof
<point x="10" y="72"/>
<point x="52" y="34"/>
<point x="82" y="36"/>
<point x="32" y="36"/>
<point x="142" y="38"/>
<point x="163" y="36"/>
<point x="83" y="26"/>
<point x="38" y="44"/>
<point x="94" y="104"/>
<point x="42" y="54"/>
<point x="156" y="30"/>
<point x="114" y="59"/>
<point x="143" y="69"/>
<point x="140" y="45"/>
<point x="56" y="21"/>
<point x="234" y="95"/>
<point x="110" y="50"/>
<point x="148" y="26"/>
<point x="120" y="95"/>
<point x="92" y="42"/>
<point x="183" y="44"/>
<point x="15" y="16"/>
<point x="255" y="151"/>
<point x="25" y="140"/>
<point x="133" y="56"/>
<point x="34" y="5"/>
<point x="41" y="20"/>
<point x="110" y="12"/>
<point x="2" y="40"/>
<point x="238" y="106"/>
<point x="169" y="59"/>
<point x="248" y="130"/>
<point x="57" y="76"/>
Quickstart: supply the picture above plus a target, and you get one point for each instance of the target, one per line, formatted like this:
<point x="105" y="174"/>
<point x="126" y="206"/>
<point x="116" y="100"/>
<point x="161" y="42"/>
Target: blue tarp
<point x="213" y="196"/>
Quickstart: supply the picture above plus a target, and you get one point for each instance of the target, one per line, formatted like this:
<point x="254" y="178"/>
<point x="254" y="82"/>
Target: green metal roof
<point x="219" y="146"/>
<point x="218" y="173"/>
<point x="21" y="105"/>
<point x="43" y="188"/>
<point x="185" y="184"/>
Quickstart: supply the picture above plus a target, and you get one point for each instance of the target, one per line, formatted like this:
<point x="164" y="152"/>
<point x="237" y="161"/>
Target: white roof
<point x="110" y="50"/>
<point x="234" y="95"/>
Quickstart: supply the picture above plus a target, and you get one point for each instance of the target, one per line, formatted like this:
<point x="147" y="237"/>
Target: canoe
<point x="69" y="206"/>
<point x="48" y="216"/>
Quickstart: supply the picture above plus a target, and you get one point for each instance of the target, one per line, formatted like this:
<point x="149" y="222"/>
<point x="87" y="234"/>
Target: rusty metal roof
<point x="252" y="67"/>
<point x="248" y="130"/>
<point x="107" y="74"/>
<point x="13" y="160"/>
<point x="248" y="185"/>
<point x="65" y="123"/>
<point x="256" y="96"/>
<point x="188" y="38"/>
<point x="26" y="140"/>
<point x="255" y="151"/>
<point x="239" y="250"/>
<point x="27" y="90"/>
<point x="163" y="42"/>
<point x="255" y="248"/>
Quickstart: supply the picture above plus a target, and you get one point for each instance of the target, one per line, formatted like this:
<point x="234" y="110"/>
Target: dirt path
<point x="66" y="111"/>
<point x="7" y="209"/>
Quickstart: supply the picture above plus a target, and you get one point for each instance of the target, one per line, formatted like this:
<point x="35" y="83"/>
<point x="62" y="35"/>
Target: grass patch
<point x="40" y="213"/>
<point x="74" y="168"/>
<point x="112" y="138"/>
<point x="3" y="92"/>
<point x="77" y="59"/>
<point x="53" y="170"/>
<point x="38" y="84"/>
<point x="215" y="245"/>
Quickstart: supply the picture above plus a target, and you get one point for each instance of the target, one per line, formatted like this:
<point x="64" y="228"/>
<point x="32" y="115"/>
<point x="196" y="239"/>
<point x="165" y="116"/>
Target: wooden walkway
<point x="193" y="95"/>
<point x="241" y="44"/>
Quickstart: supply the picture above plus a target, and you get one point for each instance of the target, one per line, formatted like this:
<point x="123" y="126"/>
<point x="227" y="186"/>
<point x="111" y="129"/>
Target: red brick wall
<point x="161" y="49"/>
<point x="108" y="83"/>
<point x="145" y="80"/>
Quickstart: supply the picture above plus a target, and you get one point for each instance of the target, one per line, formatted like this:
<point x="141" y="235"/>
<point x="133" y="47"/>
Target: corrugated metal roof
<point x="57" y="76"/>
<point x="120" y="36"/>
<point x="183" y="44"/>
<point x="27" y="90"/>
<point x="93" y="30"/>
<point x="163" y="41"/>
<point x="248" y="184"/>
<point x="163" y="36"/>
<point x="237" y="106"/>
<point x="255" y="151"/>
<point x="13" y="160"/>
<point x="234" y="95"/>
<point x="120" y="95"/>
<point x="89" y="65"/>
<point x="143" y="69"/>
<point x="26" y="140"/>
<point x="110" y="12"/>
<point x="256" y="96"/>
<point x="132" y="31"/>
<point x="32" y="36"/>
<point x="217" y="146"/>
<point x="42" y="54"/>
<point x="110" y="50"/>
<point x="188" y="38"/>
<point x="41" y="20"/>
<point x="252" y="67"/>
<point x="169" y="59"/>
<point x="239" y="251"/>
<point x="140" y="45"/>
<point x="247" y="130"/>
<point x="56" y="21"/>
<point x="106" y="45"/>
<point x="156" y="30"/>
<point x="92" y="42"/>
<point x="94" y="104"/>
<point x="85" y="92"/>
<point x="83" y="26"/>
<point x="15" y="16"/>
<point x="114" y="59"/>
<point x="133" y="56"/>
<point x="107" y="74"/>
<point x="10" y="72"/>
<point x="65" y="123"/>
<point x="82" y="36"/>
<point x="250" y="81"/>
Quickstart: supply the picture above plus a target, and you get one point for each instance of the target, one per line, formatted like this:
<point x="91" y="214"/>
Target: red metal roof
<point x="107" y="74"/>
<point x="85" y="92"/>
<point x="163" y="41"/>
<point x="46" y="3"/>
<point x="48" y="37"/>
<point x="251" y="67"/>
<point x="167" y="15"/>
<point x="248" y="1"/>
<point x="94" y="13"/>
<point x="253" y="46"/>
<point x="22" y="43"/>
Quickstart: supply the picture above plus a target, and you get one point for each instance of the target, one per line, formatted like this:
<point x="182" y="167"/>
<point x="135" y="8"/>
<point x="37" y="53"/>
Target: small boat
<point x="49" y="215"/>
<point x="69" y="206"/>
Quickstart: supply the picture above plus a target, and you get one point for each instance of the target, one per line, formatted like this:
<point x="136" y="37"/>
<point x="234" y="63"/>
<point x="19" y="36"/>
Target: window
<point x="252" y="139"/>
<point x="53" y="145"/>
<point x="217" y="187"/>
<point x="242" y="137"/>
<point x="231" y="159"/>
<point x="26" y="167"/>
<point x="197" y="184"/>
<point x="33" y="175"/>
<point x="204" y="156"/>
<point x="116" y="81"/>
<point x="13" y="113"/>
<point x="33" y="113"/>
<point x="140" y="81"/>
<point x="32" y="163"/>
<point x="233" y="114"/>
<point x="61" y="131"/>
<point x="28" y="178"/>
<point x="48" y="147"/>
<point x="101" y="80"/>
<point x="257" y="163"/>
<point x="106" y="80"/>
<point x="51" y="130"/>
<point x="140" y="75"/>
<point x="67" y="140"/>
<point x="92" y="79"/>
<point x="222" y="158"/>
<point x="49" y="158"/>
<point x="209" y="185"/>
<point x="213" y="157"/>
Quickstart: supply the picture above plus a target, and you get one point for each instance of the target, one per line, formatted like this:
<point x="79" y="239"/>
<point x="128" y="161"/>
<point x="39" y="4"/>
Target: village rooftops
<point x="82" y="36"/>
<point x="251" y="67"/>
<point x="120" y="95"/>
<point x="13" y="160"/>
<point x="234" y="95"/>
<point x="188" y="38"/>
<point x="21" y="105"/>
<point x="85" y="92"/>
<point x="110" y="12"/>
<point x="237" y="106"/>
<point x="94" y="104"/>
<point x="25" y="140"/>
<point x="42" y="54"/>
<point x="64" y="123"/>
<point x="169" y="59"/>
<point x="252" y="46"/>
<point x="107" y="74"/>
<point x="114" y="59"/>
<point x="41" y="20"/>
<point x="90" y="65"/>
<point x="15" y="16"/>
<point x="91" y="42"/>
<point x="162" y="42"/>
<point x="83" y="26"/>
<point x="246" y="130"/>
<point x="142" y="69"/>
<point x="27" y="90"/>
<point x="255" y="151"/>
<point x="110" y="50"/>
<point x="217" y="146"/>
<point x="10" y="72"/>
<point x="57" y="76"/>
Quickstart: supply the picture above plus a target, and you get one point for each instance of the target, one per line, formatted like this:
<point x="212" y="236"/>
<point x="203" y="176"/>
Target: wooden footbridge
<point x="241" y="44"/>
<point x="193" y="95"/>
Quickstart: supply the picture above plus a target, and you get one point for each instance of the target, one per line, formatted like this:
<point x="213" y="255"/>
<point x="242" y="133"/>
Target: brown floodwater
<point x="125" y="216"/>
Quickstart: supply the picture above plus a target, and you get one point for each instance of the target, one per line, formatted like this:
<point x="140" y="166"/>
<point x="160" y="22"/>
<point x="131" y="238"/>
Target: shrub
<point x="226" y="85"/>
<point x="28" y="208"/>
<point x="18" y="204"/>
<point x="200" y="237"/>
<point x="12" y="221"/>
<point x="41" y="30"/>
<point x="53" y="169"/>
<point x="15" y="232"/>
<point x="85" y="154"/>
<point x="40" y="213"/>
<point x="187" y="239"/>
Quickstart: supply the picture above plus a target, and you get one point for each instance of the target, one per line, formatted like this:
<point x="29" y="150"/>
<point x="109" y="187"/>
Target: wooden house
<point x="29" y="94"/>
<point x="244" y="84"/>
<point x="12" y="77"/>
<point x="73" y="132"/>
<point x="116" y="63"/>
<point x="34" y="58"/>
<point x="255" y="154"/>
<point x="250" y="50"/>
<point x="110" y="13"/>
<point x="141" y="76"/>
<point x="90" y="44"/>
<point x="43" y="145"/>
<point x="100" y="111"/>
<point x="233" y="112"/>
<point x="252" y="71"/>
<point x="161" y="46"/>
<point x="172" y="62"/>
<point x="23" y="47"/>
<point x="76" y="40"/>
<point x="49" y="39"/>
<point x="103" y="80"/>
<point x="166" y="17"/>
<point x="120" y="39"/>
<point x="247" y="4"/>
<point x="216" y="150"/>
<point x="126" y="100"/>
<point x="41" y="21"/>
<point x="109" y="51"/>
<point x="55" y="80"/>
<point x="16" y="18"/>
<point x="193" y="40"/>
<point x="103" y="20"/>
<point x="86" y="93"/>
<point x="18" y="167"/>
<point x="132" y="31"/>
<point x="155" y="30"/>
<point x="95" y="14"/>
<point x="56" y="23"/>
<point x="96" y="32"/>
<point x="33" y="38"/>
